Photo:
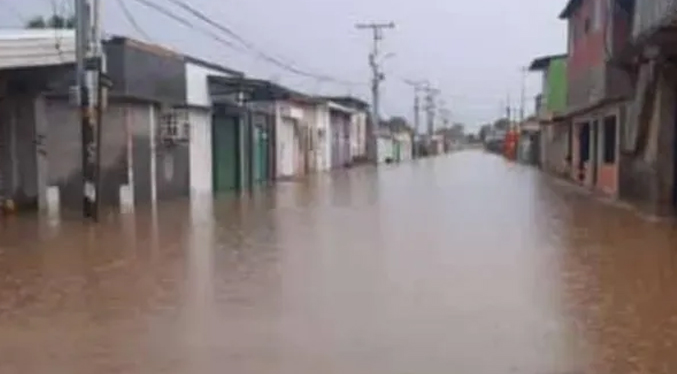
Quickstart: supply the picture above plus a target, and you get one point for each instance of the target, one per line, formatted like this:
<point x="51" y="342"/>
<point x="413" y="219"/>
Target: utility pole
<point x="377" y="77"/>
<point x="444" y="113"/>
<point x="419" y="87"/>
<point x="523" y="94"/>
<point x="89" y="67"/>
<point x="430" y="108"/>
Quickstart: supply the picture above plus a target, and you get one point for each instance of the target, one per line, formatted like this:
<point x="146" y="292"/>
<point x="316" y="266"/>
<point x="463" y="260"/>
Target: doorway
<point x="226" y="153"/>
<point x="594" y="152"/>
<point x="674" y="161"/>
<point x="583" y="150"/>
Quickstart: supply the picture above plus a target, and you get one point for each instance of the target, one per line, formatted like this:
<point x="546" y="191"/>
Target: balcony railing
<point x="653" y="14"/>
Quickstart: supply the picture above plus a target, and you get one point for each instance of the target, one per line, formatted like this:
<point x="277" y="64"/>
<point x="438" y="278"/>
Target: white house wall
<point x="285" y="148"/>
<point x="197" y="83"/>
<point x="285" y="141"/>
<point x="323" y="146"/>
<point x="198" y="97"/>
<point x="385" y="149"/>
<point x="309" y="123"/>
<point x="200" y="152"/>
<point x="358" y="135"/>
<point x="406" y="150"/>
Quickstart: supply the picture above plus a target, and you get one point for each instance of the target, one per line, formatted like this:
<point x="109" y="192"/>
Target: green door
<point x="260" y="156"/>
<point x="225" y="160"/>
<point x="247" y="154"/>
<point x="397" y="150"/>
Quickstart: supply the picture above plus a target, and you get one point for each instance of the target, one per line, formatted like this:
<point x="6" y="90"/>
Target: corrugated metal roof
<point x="31" y="48"/>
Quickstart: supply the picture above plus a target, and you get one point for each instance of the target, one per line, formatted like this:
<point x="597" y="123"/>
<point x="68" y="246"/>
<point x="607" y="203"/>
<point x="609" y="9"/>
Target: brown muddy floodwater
<point x="461" y="264"/>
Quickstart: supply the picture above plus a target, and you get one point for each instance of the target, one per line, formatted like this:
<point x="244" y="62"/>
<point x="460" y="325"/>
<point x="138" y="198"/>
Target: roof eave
<point x="542" y="63"/>
<point x="571" y="7"/>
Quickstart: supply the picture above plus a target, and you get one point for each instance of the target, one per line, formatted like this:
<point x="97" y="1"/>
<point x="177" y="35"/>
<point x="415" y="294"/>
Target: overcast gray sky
<point x="471" y="50"/>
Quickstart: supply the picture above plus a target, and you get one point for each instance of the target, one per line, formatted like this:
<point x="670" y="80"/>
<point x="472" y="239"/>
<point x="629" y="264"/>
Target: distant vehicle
<point x="495" y="141"/>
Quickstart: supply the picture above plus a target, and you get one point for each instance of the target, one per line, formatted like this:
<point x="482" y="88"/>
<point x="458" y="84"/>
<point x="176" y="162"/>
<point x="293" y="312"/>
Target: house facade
<point x="403" y="146"/>
<point x="597" y="90"/>
<point x="649" y="156"/>
<point x="359" y="126"/>
<point x="293" y="134"/>
<point x="172" y="126"/>
<point x="340" y="123"/>
<point x="555" y="136"/>
<point x="201" y="114"/>
<point x="42" y="161"/>
<point x="385" y="147"/>
<point x="244" y="133"/>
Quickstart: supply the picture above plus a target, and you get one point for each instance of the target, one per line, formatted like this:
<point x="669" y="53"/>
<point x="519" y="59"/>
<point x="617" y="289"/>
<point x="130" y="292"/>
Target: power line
<point x="185" y="22"/>
<point x="132" y="21"/>
<point x="211" y="22"/>
<point x="58" y="40"/>
<point x="250" y="46"/>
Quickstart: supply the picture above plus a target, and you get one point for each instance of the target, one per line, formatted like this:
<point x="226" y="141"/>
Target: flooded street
<point x="460" y="264"/>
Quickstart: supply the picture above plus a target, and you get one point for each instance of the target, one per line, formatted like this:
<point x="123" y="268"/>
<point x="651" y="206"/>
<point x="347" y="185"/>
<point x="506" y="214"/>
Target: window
<point x="610" y="140"/>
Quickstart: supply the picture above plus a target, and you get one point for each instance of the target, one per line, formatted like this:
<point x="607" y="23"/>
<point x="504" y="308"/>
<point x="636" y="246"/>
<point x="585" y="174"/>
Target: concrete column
<point x="41" y="151"/>
<point x="665" y="147"/>
<point x="12" y="176"/>
<point x="153" y="154"/>
<point x="4" y="150"/>
<point x="127" y="191"/>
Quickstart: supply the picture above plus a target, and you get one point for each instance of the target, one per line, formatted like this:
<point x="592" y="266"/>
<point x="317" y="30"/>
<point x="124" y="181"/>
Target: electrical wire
<point x="58" y="40"/>
<point x="132" y="21"/>
<point x="185" y="22"/>
<point x="250" y="46"/>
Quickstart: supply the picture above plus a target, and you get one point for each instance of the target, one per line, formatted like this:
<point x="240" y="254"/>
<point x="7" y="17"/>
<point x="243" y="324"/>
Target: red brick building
<point x="597" y="89"/>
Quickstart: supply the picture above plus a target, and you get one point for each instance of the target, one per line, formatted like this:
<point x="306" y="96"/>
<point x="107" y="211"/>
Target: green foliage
<point x="502" y="124"/>
<point x="484" y="131"/>
<point x="53" y="22"/>
<point x="397" y="125"/>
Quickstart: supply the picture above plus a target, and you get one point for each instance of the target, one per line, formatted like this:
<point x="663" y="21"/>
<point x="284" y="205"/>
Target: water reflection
<point x="464" y="263"/>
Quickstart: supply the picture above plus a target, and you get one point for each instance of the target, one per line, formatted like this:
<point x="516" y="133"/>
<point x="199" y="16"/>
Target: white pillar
<point x="153" y="155"/>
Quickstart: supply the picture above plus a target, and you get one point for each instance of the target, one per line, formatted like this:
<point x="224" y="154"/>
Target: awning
<point x="583" y="110"/>
<point x="34" y="48"/>
<point x="226" y="90"/>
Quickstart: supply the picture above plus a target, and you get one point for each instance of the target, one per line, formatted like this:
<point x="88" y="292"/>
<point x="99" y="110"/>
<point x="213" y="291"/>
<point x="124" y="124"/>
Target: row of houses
<point x="173" y="126"/>
<point x="608" y="109"/>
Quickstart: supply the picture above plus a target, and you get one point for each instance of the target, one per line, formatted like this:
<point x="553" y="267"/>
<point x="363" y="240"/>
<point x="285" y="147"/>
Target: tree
<point x="36" y="23"/>
<point x="397" y="124"/>
<point x="457" y="131"/>
<point x="54" y="22"/>
<point x="502" y="124"/>
<point x="485" y="130"/>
